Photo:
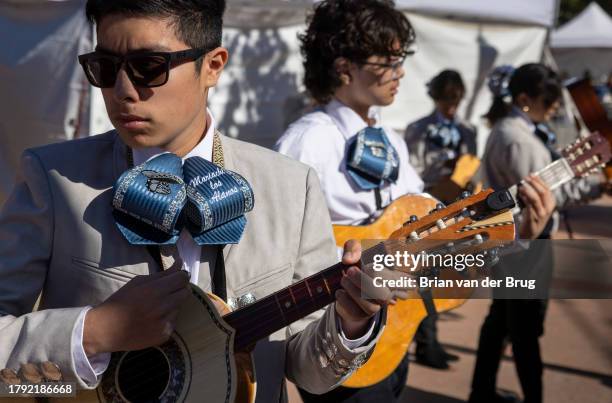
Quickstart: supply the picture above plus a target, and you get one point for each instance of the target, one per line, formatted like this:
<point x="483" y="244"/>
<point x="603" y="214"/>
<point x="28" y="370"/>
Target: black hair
<point x="198" y="23"/>
<point x="448" y="81"/>
<point x="532" y="79"/>
<point x="355" y="30"/>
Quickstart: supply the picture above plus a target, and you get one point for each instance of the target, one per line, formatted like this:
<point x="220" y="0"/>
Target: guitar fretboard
<point x="290" y="304"/>
<point x="553" y="175"/>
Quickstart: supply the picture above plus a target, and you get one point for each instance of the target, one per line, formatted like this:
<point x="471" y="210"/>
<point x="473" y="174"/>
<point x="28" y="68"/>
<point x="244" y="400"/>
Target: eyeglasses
<point x="147" y="69"/>
<point x="390" y="66"/>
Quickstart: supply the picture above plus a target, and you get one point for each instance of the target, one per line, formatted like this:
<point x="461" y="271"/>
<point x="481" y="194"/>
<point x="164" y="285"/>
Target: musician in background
<point x="353" y="55"/>
<point x="104" y="283"/>
<point x="438" y="139"/>
<point x="520" y="144"/>
<point x="435" y="142"/>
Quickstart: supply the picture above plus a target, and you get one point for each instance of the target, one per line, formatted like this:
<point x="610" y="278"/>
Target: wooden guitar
<point x="592" y="112"/>
<point x="207" y="358"/>
<point x="584" y="156"/>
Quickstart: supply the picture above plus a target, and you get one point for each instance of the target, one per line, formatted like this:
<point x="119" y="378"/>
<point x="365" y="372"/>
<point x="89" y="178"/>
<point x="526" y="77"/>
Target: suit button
<point x="51" y="371"/>
<point x="30" y="373"/>
<point x="9" y="377"/>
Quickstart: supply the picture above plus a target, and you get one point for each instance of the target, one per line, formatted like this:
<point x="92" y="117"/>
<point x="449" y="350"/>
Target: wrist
<point x="354" y="329"/>
<point x="92" y="343"/>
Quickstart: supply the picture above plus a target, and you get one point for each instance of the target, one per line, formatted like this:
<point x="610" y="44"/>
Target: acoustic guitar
<point x="584" y="156"/>
<point x="207" y="357"/>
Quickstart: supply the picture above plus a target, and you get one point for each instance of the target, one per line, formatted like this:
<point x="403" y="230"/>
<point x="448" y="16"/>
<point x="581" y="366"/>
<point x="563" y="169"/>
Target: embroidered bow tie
<point x="154" y="201"/>
<point x="371" y="159"/>
<point x="444" y="134"/>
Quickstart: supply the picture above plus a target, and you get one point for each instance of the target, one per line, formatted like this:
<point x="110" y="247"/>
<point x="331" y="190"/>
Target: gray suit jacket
<point x="425" y="156"/>
<point x="58" y="240"/>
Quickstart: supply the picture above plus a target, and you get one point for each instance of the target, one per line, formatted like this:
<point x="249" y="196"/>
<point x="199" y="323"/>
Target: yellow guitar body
<point x="197" y="364"/>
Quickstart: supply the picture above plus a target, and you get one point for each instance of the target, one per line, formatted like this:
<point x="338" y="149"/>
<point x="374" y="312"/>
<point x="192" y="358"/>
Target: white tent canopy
<point x="585" y="43"/>
<point x="540" y="12"/>
<point x="590" y="29"/>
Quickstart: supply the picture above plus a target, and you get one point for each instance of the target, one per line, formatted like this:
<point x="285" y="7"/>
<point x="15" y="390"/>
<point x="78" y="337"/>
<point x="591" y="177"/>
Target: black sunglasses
<point x="146" y="69"/>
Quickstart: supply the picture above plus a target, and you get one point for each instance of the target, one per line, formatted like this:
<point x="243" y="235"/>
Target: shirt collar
<point x="516" y="111"/>
<point x="347" y="120"/>
<point x="203" y="149"/>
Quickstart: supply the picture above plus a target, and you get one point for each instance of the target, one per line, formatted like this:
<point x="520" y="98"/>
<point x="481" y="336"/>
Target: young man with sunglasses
<point x="76" y="233"/>
<point x="353" y="56"/>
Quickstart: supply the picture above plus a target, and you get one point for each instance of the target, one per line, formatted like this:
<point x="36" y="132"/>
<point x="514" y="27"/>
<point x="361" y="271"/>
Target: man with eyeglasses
<point x="82" y="228"/>
<point x="353" y="56"/>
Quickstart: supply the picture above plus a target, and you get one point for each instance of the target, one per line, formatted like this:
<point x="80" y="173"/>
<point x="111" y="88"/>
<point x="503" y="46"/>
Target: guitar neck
<point x="278" y="310"/>
<point x="553" y="175"/>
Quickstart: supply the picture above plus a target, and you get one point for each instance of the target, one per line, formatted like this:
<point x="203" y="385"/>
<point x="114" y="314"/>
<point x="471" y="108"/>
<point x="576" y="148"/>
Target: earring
<point x="525" y="109"/>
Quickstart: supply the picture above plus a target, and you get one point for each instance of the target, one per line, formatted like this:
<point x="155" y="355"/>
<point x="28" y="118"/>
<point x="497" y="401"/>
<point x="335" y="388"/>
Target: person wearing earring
<point x="353" y="58"/>
<point x="519" y="145"/>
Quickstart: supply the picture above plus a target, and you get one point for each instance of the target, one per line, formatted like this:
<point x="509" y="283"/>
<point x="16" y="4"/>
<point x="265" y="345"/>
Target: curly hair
<point x="352" y="29"/>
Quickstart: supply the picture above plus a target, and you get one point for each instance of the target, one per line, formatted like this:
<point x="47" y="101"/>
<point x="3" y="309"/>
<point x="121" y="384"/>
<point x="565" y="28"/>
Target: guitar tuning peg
<point x="478" y="238"/>
<point x="414" y="218"/>
<point x="439" y="206"/>
<point x="465" y="194"/>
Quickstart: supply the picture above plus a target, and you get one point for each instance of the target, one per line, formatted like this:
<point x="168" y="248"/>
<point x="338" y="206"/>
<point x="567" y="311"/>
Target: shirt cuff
<point x="352" y="345"/>
<point x="87" y="368"/>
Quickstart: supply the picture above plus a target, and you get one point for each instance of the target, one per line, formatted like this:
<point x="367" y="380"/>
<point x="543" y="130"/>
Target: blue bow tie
<point x="444" y="134"/>
<point x="154" y="201"/>
<point x="371" y="159"/>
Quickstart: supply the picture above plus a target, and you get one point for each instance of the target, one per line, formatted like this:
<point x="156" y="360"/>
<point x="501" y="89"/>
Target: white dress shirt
<point x="319" y="139"/>
<point x="89" y="369"/>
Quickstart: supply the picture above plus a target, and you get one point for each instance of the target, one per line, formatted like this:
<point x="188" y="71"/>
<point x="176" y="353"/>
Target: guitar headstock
<point x="587" y="154"/>
<point x="482" y="221"/>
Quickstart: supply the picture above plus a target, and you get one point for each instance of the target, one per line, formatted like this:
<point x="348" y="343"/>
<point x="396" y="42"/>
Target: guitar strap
<point x="428" y="302"/>
<point x="169" y="253"/>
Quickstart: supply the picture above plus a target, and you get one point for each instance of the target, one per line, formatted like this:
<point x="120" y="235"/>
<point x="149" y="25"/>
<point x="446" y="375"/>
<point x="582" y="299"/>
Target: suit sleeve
<point x="316" y="358"/>
<point x="26" y="240"/>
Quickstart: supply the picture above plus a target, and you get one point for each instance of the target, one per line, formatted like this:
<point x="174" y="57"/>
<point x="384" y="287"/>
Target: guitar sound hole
<point x="143" y="375"/>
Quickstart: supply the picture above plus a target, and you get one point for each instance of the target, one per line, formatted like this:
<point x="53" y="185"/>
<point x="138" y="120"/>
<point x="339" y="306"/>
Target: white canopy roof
<point x="592" y="28"/>
<point x="269" y="13"/>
